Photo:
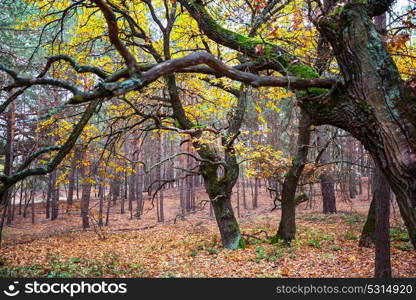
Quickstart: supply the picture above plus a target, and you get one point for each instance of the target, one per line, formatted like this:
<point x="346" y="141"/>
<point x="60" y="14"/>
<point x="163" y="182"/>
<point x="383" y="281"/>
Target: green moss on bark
<point x="303" y="71"/>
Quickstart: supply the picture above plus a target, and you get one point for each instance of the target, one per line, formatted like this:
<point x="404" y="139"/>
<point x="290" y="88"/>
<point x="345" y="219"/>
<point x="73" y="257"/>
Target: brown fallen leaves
<point x="326" y="246"/>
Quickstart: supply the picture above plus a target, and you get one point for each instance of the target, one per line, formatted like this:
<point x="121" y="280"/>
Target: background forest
<point x="196" y="138"/>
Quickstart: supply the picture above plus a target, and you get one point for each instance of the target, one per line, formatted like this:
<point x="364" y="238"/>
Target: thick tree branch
<point x="281" y="60"/>
<point x="77" y="67"/>
<point x="113" y="34"/>
<point x="8" y="181"/>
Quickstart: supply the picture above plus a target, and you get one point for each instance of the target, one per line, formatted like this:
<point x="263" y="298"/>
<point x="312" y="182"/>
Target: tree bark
<point x="382" y="206"/>
<point x="9" y="157"/>
<point x="55" y="199"/>
<point x="375" y="105"/>
<point x="326" y="179"/>
<point x="101" y="196"/>
<point x="368" y="235"/>
<point x="287" y="226"/>
<point x="86" y="190"/>
<point x="71" y="185"/>
<point x="51" y="192"/>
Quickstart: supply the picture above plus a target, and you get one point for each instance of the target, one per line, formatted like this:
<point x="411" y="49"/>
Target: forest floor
<point x="326" y="245"/>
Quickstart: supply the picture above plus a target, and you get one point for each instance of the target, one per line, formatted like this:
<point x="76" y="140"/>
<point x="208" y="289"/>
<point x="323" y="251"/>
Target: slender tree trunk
<point x="21" y="197"/>
<point x="71" y="178"/>
<point x="124" y="196"/>
<point x="33" y="206"/>
<point x="86" y="190"/>
<point x="115" y="190"/>
<point x="182" y="199"/>
<point x="9" y="157"/>
<point x="107" y="214"/>
<point x="14" y="203"/>
<point x="101" y="196"/>
<point x="326" y="178"/>
<point x="161" y="216"/>
<point x="256" y="193"/>
<point x="139" y="195"/>
<point x="132" y="191"/>
<point x="183" y="162"/>
<point x="55" y="199"/>
<point x="238" y="198"/>
<point x="244" y="191"/>
<point x="51" y="192"/>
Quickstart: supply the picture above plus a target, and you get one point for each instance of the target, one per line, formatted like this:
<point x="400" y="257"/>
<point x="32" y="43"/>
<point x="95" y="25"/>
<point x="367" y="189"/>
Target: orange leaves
<point x="297" y="19"/>
<point x="184" y="250"/>
<point x="259" y="4"/>
<point x="259" y="49"/>
<point x="285" y="272"/>
<point x="398" y="41"/>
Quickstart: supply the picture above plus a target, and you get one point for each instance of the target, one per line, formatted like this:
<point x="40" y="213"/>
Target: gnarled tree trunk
<point x="219" y="191"/>
<point x="287" y="225"/>
<point x="374" y="104"/>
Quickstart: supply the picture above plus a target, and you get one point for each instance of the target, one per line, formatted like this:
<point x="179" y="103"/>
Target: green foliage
<point x="399" y="234"/>
<point x="176" y="123"/>
<point x="313" y="218"/>
<point x="242" y="243"/>
<point x="55" y="267"/>
<point x="328" y="256"/>
<point x="317" y="239"/>
<point x="256" y="241"/>
<point x="314" y="243"/>
<point x="335" y="248"/>
<point x="350" y="235"/>
<point x="270" y="255"/>
<point x="275" y="239"/>
<point x="213" y="251"/>
<point x="353" y="219"/>
<point x="261" y="253"/>
<point x="404" y="246"/>
<point x="170" y="275"/>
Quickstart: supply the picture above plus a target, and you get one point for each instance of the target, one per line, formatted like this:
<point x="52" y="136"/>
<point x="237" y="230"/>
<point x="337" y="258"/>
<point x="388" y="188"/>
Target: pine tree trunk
<point x="51" y="192"/>
<point x="33" y="206"/>
<point x="55" y="199"/>
<point x="86" y="190"/>
<point x="382" y="226"/>
<point x="326" y="179"/>
<point x="101" y="196"/>
<point x="8" y="160"/>
<point x="71" y="178"/>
